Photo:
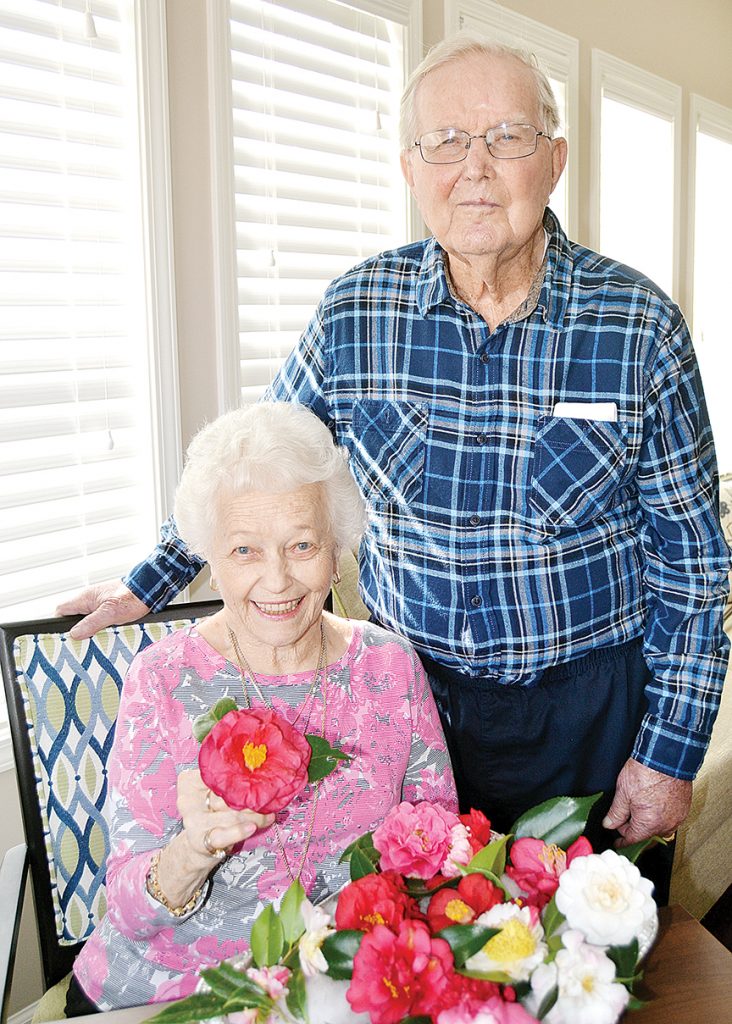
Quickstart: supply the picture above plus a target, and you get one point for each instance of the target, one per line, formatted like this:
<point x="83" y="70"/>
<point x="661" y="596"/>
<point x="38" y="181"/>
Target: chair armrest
<point x="13" y="872"/>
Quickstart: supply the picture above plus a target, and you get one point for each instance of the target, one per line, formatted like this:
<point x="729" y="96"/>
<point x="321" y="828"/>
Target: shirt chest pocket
<point x="577" y="470"/>
<point x="388" y="449"/>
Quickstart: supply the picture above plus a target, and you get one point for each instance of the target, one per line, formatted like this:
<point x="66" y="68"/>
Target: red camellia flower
<point x="474" y="895"/>
<point x="372" y="900"/>
<point x="254" y="759"/>
<point x="536" y="867"/>
<point x="479" y="829"/>
<point x="400" y="975"/>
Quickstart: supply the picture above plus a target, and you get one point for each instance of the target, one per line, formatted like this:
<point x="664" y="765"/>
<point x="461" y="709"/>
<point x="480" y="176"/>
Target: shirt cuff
<point x="669" y="749"/>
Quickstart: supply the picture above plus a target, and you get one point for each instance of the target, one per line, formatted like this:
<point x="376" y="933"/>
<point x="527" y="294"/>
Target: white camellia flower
<point x="317" y="928"/>
<point x="519" y="946"/>
<point x="605" y="896"/>
<point x="585" y="979"/>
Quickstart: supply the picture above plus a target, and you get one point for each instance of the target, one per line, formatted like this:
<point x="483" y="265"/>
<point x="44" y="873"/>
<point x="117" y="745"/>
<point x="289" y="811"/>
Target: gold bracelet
<point x="152" y="884"/>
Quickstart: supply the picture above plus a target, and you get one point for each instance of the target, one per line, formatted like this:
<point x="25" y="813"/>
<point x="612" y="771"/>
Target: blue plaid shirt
<point x="505" y="538"/>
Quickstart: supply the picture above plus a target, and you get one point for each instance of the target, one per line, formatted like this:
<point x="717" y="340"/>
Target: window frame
<point x="626" y="83"/>
<point x="409" y="14"/>
<point x="559" y="56"/>
<point x="157" y="271"/>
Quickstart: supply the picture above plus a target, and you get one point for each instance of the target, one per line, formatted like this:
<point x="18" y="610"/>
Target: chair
<point x="62" y="698"/>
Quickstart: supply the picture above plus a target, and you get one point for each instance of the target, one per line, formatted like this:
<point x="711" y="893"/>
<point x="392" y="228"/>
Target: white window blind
<point x="78" y="444"/>
<point x="315" y="89"/>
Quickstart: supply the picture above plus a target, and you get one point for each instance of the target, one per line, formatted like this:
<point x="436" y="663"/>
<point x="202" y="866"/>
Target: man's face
<point x="482" y="206"/>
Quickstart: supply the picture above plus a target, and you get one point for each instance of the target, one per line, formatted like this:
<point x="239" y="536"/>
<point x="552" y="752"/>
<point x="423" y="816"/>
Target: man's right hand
<point x="106" y="604"/>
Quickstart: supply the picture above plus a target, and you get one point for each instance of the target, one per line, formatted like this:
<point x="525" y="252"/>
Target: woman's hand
<point x="208" y="824"/>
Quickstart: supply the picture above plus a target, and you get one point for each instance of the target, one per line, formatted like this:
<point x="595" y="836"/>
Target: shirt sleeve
<point x="429" y="773"/>
<point x="143" y="811"/>
<point x="686" y="564"/>
<point x="164" y="573"/>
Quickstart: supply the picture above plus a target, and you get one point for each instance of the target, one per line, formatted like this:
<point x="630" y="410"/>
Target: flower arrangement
<point x="446" y="921"/>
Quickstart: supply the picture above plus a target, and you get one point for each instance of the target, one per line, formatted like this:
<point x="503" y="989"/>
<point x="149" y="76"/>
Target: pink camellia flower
<point x="272" y="979"/>
<point x="474" y="895"/>
<point x="491" y="1011"/>
<point x="460" y="852"/>
<point x="401" y="974"/>
<point x="537" y="867"/>
<point x="414" y="839"/>
<point x="254" y="759"/>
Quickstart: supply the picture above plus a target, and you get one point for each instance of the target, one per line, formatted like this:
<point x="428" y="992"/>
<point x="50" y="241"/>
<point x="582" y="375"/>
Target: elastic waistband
<point x="552" y="674"/>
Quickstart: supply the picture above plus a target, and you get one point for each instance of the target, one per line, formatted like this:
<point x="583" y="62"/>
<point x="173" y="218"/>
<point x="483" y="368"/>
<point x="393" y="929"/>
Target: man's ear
<point x="406" y="163"/>
<point x="559" y="159"/>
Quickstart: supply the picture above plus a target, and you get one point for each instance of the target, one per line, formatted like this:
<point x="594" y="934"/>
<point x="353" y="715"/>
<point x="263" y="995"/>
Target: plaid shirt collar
<point x="548" y="293"/>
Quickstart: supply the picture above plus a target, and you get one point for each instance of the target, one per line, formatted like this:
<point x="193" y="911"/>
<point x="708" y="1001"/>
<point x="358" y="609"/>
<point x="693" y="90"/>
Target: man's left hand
<point x="646" y="803"/>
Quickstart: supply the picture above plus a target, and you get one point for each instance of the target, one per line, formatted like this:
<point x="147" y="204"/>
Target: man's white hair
<point x="468" y="44"/>
<point x="272" y="447"/>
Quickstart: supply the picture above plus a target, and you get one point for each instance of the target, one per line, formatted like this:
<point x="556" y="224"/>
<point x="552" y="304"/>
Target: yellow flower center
<point x="588" y="983"/>
<point x="553" y="858"/>
<point x="458" y="911"/>
<point x="373" y="918"/>
<point x="254" y="757"/>
<point x="391" y="987"/>
<point x="513" y="942"/>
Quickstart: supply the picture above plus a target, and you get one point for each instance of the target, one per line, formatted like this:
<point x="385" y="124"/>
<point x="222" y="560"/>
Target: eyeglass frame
<point x="504" y="124"/>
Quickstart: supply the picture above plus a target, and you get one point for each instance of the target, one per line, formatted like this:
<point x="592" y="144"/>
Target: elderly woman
<point x="269" y="501"/>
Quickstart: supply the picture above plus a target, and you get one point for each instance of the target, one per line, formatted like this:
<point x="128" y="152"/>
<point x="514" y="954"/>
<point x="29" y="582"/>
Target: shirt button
<point x="476" y="601"/>
<point x="475" y="520"/>
<point x="481" y="439"/>
<point x="484" y="357"/>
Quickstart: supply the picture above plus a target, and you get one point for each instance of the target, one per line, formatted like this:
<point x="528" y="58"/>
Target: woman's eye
<point x="304" y="545"/>
<point x="243" y="550"/>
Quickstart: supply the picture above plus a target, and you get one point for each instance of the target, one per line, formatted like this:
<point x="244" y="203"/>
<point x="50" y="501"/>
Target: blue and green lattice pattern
<point x="71" y="694"/>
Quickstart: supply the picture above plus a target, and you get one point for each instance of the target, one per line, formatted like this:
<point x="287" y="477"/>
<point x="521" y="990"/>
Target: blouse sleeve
<point x="151" y="745"/>
<point x="429" y="773"/>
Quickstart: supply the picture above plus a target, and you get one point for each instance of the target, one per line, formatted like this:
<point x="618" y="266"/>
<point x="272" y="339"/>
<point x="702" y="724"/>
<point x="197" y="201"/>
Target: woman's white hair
<point x="273" y="447"/>
<point x="469" y="44"/>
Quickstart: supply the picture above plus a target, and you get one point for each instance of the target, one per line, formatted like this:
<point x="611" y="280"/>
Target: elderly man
<point x="526" y="420"/>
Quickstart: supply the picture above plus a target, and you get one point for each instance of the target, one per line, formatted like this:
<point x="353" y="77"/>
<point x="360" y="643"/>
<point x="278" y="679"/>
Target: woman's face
<point x="273" y="560"/>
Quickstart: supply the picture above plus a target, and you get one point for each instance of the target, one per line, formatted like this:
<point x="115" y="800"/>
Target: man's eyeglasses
<point x="504" y="142"/>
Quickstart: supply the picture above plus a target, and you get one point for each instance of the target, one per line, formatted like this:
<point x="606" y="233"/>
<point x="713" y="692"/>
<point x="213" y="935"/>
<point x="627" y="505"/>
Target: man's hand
<point x="106" y="604"/>
<point x="647" y="803"/>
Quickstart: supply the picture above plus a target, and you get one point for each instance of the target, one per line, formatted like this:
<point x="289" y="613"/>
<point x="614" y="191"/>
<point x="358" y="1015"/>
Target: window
<point x="712" y="225"/>
<point x="636" y="160"/>
<point x="307" y="155"/>
<point x="87" y="427"/>
<point x="558" y="55"/>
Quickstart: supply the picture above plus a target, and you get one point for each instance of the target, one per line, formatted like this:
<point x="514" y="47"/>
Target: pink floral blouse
<point x="379" y="710"/>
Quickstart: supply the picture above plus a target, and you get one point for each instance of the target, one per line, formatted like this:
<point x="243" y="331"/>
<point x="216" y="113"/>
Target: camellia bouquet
<point x="446" y="921"/>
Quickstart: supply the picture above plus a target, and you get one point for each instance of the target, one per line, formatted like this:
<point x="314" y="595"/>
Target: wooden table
<point x="688" y="979"/>
<point x="688" y="975"/>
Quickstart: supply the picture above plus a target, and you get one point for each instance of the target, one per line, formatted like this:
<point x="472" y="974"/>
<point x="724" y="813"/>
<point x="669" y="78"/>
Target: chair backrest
<point x="63" y="697"/>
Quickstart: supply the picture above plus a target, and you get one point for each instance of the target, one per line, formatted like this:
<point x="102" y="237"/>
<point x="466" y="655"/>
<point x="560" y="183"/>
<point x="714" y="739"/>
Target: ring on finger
<point x="217" y="852"/>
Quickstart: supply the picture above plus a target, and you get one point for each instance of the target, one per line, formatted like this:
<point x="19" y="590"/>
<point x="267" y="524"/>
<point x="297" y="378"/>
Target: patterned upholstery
<point x="64" y="697"/>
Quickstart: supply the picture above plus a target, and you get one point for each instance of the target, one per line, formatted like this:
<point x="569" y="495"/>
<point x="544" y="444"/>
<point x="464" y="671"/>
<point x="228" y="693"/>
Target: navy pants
<point x="569" y="733"/>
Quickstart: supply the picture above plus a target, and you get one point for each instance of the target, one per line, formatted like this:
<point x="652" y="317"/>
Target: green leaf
<point x="547" y="1002"/>
<point x="267" y="938"/>
<point x="324" y="758"/>
<point x="225" y="979"/>
<point x="203" y="725"/>
<point x="297" y="998"/>
<point x="339" y="949"/>
<point x="625" y="959"/>
<point x="500" y="977"/>
<point x="560" y="820"/>
<point x="634" y="851"/>
<point x="361" y="865"/>
<point x="491" y="858"/>
<point x="466" y="939"/>
<point x="552" y="918"/>
<point x="199" y="1006"/>
<point x="293" y="925"/>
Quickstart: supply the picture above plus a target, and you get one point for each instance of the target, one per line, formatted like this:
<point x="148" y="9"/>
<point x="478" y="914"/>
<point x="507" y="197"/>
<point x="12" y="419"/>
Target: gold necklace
<point x="245" y="672"/>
